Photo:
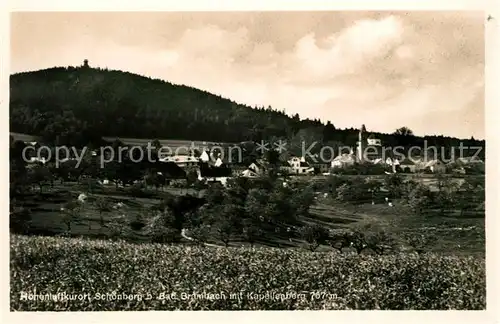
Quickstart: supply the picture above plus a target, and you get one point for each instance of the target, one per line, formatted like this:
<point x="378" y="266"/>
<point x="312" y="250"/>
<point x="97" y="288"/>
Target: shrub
<point x="138" y="224"/>
<point x="20" y="220"/>
<point x="339" y="239"/>
<point x="394" y="184"/>
<point x="314" y="235"/>
<point x="200" y="234"/>
<point x="355" y="192"/>
<point x="419" y="199"/>
<point x="119" y="226"/>
<point x="419" y="242"/>
<point x="137" y="190"/>
<point x="159" y="231"/>
<point x="251" y="230"/>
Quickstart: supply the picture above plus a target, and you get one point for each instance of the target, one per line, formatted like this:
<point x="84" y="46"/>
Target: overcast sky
<point x="423" y="70"/>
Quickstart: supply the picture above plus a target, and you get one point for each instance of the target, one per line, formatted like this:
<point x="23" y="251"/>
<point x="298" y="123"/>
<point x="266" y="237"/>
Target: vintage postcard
<point x="257" y="160"/>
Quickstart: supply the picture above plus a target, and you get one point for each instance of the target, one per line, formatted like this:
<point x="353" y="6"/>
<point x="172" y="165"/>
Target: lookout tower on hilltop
<point x="86" y="63"/>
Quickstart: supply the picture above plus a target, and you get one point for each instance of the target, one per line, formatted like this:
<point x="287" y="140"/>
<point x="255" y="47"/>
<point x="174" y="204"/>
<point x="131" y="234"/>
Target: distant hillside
<point x="75" y="105"/>
<point x="115" y="103"/>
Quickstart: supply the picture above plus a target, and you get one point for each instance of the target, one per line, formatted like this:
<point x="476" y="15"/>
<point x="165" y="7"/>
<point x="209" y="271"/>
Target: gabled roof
<point x="257" y="164"/>
<point x="204" y="156"/>
<point x="469" y="159"/>
<point x="344" y="158"/>
<point x="315" y="160"/>
<point x="171" y="170"/>
<point x="406" y="161"/>
<point x="284" y="163"/>
<point x="219" y="162"/>
<point x="249" y="173"/>
<point x="284" y="157"/>
<point x="213" y="172"/>
<point x="179" y="159"/>
<point x="433" y="163"/>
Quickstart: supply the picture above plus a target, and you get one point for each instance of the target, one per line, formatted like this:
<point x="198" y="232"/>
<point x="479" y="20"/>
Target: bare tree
<point x="70" y="212"/>
<point x="102" y="205"/>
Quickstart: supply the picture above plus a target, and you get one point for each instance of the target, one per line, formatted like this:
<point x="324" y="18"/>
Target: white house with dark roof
<point x="373" y="141"/>
<point x="435" y="166"/>
<point x="299" y="166"/>
<point x="431" y="165"/>
<point x="181" y="160"/>
<point x="255" y="169"/>
<point x="408" y="165"/>
<point x="343" y="160"/>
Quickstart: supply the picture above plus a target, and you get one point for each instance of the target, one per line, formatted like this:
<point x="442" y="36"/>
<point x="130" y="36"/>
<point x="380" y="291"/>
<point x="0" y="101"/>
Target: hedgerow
<point x="52" y="265"/>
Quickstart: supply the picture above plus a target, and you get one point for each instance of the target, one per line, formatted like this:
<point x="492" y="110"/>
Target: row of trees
<point x="369" y="168"/>
<point x="442" y="193"/>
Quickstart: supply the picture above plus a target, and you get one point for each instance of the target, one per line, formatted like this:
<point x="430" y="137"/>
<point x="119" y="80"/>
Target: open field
<point x="426" y="179"/>
<point x="124" y="276"/>
<point x="47" y="217"/>
<point x="24" y="137"/>
<point x="172" y="143"/>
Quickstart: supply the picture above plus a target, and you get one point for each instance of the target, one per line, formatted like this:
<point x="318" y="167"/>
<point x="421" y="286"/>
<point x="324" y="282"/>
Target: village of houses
<point x="369" y="150"/>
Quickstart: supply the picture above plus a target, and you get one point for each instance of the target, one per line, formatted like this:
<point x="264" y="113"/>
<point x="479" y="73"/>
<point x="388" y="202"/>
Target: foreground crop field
<point x="122" y="276"/>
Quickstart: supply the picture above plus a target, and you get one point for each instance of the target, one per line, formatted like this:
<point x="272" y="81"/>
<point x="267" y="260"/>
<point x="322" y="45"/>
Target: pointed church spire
<point x="360" y="142"/>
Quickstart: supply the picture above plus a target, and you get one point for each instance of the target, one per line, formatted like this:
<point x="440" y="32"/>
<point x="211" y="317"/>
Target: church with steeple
<point x="368" y="147"/>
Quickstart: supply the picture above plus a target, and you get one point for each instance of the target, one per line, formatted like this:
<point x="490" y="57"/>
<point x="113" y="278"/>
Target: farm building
<point x="434" y="166"/>
<point x="318" y="164"/>
<point x="181" y="160"/>
<point x="256" y="168"/>
<point x="407" y="165"/>
<point x="343" y="160"/>
<point x="249" y="174"/>
<point x="211" y="173"/>
<point x="171" y="170"/>
<point x="299" y="166"/>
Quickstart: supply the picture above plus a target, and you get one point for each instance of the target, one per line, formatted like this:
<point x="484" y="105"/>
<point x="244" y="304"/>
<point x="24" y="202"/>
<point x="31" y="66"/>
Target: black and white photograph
<point x="247" y="160"/>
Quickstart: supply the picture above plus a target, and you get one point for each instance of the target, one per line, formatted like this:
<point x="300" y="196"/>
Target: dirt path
<point x="184" y="235"/>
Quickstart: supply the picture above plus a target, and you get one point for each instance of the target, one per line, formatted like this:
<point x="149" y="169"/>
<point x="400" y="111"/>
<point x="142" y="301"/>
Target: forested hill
<point x="75" y="104"/>
<point x="116" y="103"/>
